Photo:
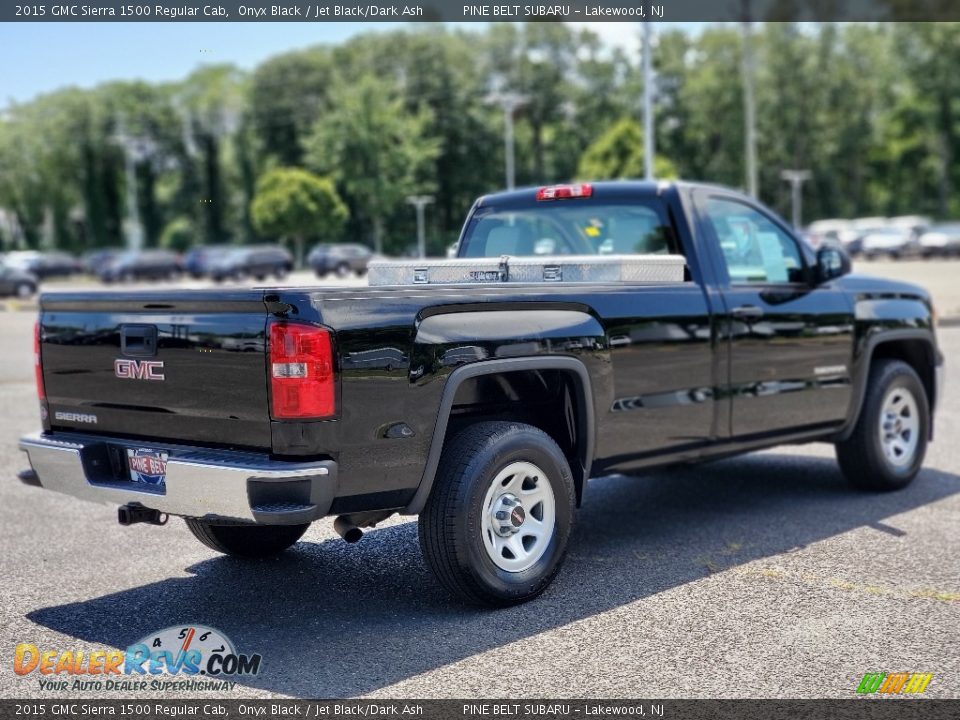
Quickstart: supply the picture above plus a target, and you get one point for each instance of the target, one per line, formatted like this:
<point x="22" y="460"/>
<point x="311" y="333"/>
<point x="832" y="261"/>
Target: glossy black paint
<point x="675" y="373"/>
<point x="214" y="368"/>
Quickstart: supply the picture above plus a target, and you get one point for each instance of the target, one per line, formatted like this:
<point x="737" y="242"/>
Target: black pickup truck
<point x="485" y="404"/>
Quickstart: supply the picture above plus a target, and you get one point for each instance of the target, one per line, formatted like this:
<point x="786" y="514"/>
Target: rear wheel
<point x="495" y="528"/>
<point x="25" y="290"/>
<point x="889" y="442"/>
<point x="249" y="541"/>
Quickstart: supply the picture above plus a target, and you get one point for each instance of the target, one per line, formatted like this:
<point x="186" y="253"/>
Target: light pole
<point x="796" y="178"/>
<point x="648" y="140"/>
<point x="749" y="112"/>
<point x="509" y="101"/>
<point x="134" y="150"/>
<point x="420" y="202"/>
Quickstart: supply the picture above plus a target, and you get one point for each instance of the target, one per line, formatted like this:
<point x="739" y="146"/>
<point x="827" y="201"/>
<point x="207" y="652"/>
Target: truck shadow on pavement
<point x="334" y="620"/>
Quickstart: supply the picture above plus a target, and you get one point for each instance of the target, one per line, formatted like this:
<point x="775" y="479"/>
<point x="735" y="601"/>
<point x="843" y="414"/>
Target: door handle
<point x="747" y="312"/>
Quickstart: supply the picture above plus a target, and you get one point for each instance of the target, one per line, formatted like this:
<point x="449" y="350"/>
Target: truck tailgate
<point x="189" y="367"/>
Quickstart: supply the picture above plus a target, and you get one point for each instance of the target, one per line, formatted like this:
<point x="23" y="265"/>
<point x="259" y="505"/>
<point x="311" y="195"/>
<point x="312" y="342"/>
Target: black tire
<point x="861" y="456"/>
<point x="25" y="290"/>
<point x="450" y="526"/>
<point x="246" y="541"/>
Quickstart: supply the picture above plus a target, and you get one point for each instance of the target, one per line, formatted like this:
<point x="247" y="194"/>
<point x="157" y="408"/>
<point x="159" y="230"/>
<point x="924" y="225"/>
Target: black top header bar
<point x="506" y="11"/>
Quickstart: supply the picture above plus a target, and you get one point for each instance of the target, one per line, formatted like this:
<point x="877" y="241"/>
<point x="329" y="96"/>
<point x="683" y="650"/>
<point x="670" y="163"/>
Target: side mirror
<point x="832" y="262"/>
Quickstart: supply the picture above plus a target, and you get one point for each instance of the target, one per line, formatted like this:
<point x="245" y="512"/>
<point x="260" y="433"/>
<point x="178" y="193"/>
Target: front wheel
<point x="888" y="444"/>
<point x="495" y="528"/>
<point x="247" y="541"/>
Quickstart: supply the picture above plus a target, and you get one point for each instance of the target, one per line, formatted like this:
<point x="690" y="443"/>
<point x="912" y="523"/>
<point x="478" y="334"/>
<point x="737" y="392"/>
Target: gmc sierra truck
<point x="582" y="330"/>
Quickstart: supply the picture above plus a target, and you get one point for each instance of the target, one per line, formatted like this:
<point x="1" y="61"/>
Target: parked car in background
<point x="891" y="241"/>
<point x="258" y="262"/>
<point x="95" y="260"/>
<point x="916" y="223"/>
<point x="198" y="260"/>
<point x="141" y="265"/>
<point x="341" y="258"/>
<point x="43" y="264"/>
<point x="838" y="232"/>
<point x="941" y="241"/>
<point x="17" y="282"/>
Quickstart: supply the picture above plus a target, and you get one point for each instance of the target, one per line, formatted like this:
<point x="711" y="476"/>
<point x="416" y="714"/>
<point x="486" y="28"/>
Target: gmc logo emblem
<point x="138" y="369"/>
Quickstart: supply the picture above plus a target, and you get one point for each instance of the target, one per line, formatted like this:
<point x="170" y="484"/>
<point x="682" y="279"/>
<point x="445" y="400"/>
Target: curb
<point x="18" y="305"/>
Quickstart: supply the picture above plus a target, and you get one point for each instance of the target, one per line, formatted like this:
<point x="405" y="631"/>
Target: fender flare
<point x="866" y="361"/>
<point x="503" y="365"/>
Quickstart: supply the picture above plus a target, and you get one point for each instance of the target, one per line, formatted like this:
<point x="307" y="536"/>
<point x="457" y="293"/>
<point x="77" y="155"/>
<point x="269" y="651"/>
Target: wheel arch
<point x="917" y="348"/>
<point x="570" y="367"/>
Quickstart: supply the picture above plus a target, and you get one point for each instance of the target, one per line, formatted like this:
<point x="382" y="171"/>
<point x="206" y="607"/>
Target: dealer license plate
<point x="147" y="466"/>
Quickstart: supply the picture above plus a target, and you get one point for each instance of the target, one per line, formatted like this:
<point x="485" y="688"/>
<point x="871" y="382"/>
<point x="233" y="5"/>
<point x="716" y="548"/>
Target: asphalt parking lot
<point x="762" y="576"/>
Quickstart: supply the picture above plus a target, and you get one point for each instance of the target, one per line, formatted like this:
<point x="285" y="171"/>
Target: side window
<point x="754" y="248"/>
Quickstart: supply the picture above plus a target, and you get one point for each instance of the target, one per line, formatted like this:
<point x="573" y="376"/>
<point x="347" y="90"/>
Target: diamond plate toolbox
<point x="508" y="269"/>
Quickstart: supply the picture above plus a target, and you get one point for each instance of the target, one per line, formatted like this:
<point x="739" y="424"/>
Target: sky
<point x="41" y="57"/>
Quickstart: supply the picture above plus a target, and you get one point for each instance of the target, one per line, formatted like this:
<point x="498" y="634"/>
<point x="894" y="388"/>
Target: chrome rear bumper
<point x="202" y="483"/>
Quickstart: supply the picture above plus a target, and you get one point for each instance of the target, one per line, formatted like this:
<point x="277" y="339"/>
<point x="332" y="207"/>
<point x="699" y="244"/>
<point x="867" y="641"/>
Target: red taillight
<point x="37" y="368"/>
<point x="562" y="192"/>
<point x="301" y="372"/>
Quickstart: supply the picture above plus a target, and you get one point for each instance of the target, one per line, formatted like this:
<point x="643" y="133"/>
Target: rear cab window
<point x="570" y="227"/>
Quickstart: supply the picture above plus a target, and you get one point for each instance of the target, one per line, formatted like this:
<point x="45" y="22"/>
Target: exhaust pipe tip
<point x="132" y="514"/>
<point x="347" y="530"/>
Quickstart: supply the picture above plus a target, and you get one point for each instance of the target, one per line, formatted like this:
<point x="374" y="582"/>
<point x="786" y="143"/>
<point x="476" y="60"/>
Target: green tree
<point x="291" y="203"/>
<point x="211" y="102"/>
<point x="179" y="234"/>
<point x="700" y="104"/>
<point x="287" y="94"/>
<point x="618" y="154"/>
<point x="378" y="152"/>
<point x="931" y="54"/>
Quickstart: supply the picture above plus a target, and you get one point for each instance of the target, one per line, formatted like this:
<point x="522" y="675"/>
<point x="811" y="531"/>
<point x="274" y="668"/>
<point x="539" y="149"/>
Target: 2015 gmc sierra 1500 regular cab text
<point x="582" y="330"/>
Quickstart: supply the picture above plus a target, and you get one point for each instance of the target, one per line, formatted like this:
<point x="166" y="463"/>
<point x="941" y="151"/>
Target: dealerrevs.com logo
<point x="902" y="683"/>
<point x="184" y="657"/>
